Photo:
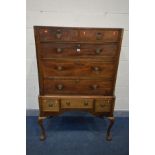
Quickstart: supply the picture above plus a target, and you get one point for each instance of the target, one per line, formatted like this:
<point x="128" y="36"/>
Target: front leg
<point x="40" y="122"/>
<point x="109" y="135"/>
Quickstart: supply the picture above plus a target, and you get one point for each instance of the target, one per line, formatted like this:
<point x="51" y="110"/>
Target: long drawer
<point x="50" y="50"/>
<point x="76" y="86"/>
<point x="74" y="34"/>
<point x="75" y="68"/>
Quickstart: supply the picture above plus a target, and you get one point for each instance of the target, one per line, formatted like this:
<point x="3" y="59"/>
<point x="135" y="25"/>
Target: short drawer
<point x="74" y="68"/>
<point x="99" y="35"/>
<point x="58" y="34"/>
<point x="77" y="87"/>
<point x="77" y="103"/>
<point x="50" y="50"/>
<point x="104" y="105"/>
<point x="49" y="104"/>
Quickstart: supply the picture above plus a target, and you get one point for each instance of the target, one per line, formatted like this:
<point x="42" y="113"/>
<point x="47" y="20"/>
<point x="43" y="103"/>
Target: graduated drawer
<point x="76" y="103"/>
<point x="76" y="86"/>
<point x="50" y="50"/>
<point x="104" y="105"/>
<point x="49" y="104"/>
<point x="73" y="34"/>
<point x="74" y="68"/>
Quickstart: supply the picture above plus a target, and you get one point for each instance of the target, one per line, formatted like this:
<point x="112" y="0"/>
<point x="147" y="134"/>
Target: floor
<point x="77" y="133"/>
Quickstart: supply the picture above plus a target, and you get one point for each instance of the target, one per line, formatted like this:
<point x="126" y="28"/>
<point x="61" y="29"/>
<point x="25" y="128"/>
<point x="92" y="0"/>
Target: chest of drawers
<point x="77" y="70"/>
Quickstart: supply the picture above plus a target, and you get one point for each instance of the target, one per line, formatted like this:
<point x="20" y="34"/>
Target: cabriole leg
<point x="109" y="135"/>
<point x="40" y="122"/>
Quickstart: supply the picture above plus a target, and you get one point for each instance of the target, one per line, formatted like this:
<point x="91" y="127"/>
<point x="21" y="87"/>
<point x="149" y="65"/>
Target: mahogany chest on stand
<point x="77" y="70"/>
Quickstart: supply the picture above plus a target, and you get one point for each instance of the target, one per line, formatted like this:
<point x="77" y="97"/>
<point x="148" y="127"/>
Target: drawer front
<point x="77" y="103"/>
<point x="58" y="34"/>
<point x="99" y="35"/>
<point x="74" y="68"/>
<point x="81" y="87"/>
<point x="50" y="50"/>
<point x="49" y="105"/>
<point x="104" y="105"/>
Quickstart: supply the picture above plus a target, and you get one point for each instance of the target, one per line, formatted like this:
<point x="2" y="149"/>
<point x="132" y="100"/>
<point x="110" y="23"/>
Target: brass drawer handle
<point x="85" y="103"/>
<point x="60" y="87"/>
<point x="60" y="68"/>
<point x="96" y="69"/>
<point x="98" y="51"/>
<point x="99" y="35"/>
<point x="59" y="50"/>
<point x="58" y="34"/>
<point x="50" y="104"/>
<point x="95" y="86"/>
<point x="68" y="103"/>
